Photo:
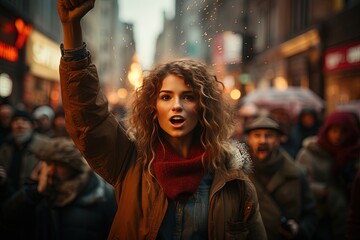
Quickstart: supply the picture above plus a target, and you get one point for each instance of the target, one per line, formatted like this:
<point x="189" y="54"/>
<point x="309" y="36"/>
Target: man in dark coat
<point x="64" y="199"/>
<point x="286" y="203"/>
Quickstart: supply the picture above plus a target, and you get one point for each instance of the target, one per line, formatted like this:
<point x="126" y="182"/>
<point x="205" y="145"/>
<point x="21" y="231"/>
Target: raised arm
<point x="95" y="131"/>
<point x="71" y="13"/>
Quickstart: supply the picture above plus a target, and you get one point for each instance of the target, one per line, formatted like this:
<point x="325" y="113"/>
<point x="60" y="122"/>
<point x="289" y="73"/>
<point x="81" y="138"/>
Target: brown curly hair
<point x="215" y="119"/>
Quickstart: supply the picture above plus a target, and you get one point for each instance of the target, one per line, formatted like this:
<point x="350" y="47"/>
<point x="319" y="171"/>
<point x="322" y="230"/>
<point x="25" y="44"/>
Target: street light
<point x="5" y="85"/>
<point x="135" y="75"/>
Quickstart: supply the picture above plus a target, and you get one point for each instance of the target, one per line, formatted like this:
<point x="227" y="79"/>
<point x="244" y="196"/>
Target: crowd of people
<point x="47" y="189"/>
<point x="183" y="165"/>
<point x="324" y="153"/>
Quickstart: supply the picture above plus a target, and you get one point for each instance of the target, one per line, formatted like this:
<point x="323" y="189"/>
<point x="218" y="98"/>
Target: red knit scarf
<point x="179" y="177"/>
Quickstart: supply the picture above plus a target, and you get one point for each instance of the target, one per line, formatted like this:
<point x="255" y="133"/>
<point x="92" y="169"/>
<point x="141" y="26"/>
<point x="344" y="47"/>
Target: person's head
<point x="339" y="129"/>
<point x="181" y="100"/>
<point x="59" y="123"/>
<point x="263" y="137"/>
<point x="6" y="112"/>
<point x="308" y="118"/>
<point x="44" y="116"/>
<point x="63" y="160"/>
<point x="22" y="125"/>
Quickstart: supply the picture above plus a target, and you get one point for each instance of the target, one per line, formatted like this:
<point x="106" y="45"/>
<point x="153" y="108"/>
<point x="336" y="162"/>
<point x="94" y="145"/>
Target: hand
<point x="39" y="174"/>
<point x="290" y="230"/>
<point x="73" y="10"/>
<point x="294" y="226"/>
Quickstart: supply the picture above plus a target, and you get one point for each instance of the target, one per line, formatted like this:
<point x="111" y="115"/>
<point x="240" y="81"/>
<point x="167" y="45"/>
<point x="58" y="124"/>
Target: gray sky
<point x="147" y="17"/>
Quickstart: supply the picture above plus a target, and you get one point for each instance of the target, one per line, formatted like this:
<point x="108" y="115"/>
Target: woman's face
<point x="335" y="135"/>
<point x="177" y="108"/>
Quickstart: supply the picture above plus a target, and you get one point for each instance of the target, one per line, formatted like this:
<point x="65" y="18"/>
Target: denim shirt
<point x="188" y="220"/>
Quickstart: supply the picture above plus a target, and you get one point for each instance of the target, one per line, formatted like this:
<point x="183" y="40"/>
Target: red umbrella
<point x="292" y="99"/>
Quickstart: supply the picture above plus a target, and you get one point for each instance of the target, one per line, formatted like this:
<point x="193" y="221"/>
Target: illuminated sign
<point x="9" y="51"/>
<point x="43" y="56"/>
<point x="342" y="58"/>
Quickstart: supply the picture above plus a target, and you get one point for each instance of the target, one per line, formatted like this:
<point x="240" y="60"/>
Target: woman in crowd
<point x="331" y="160"/>
<point x="176" y="173"/>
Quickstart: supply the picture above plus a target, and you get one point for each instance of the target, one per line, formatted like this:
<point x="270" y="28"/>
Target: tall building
<point x="275" y="43"/>
<point x="33" y="74"/>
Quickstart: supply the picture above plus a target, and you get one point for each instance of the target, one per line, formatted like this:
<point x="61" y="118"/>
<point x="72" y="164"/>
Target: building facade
<point x="30" y="69"/>
<point x="277" y="43"/>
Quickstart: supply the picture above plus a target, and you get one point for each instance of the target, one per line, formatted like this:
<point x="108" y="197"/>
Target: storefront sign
<point x="344" y="57"/>
<point x="43" y="56"/>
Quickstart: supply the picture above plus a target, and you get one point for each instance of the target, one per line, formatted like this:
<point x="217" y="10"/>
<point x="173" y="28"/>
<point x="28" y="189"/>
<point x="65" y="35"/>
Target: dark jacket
<point x="26" y="153"/>
<point x="233" y="206"/>
<point x="328" y="188"/>
<point x="29" y="215"/>
<point x="285" y="194"/>
<point x="353" y="221"/>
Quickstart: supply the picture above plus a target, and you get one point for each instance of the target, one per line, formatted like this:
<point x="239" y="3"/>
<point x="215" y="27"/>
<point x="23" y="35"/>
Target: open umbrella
<point x="293" y="99"/>
<point x="352" y="106"/>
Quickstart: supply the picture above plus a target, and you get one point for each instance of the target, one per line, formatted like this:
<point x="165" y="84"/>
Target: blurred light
<point x="5" y="85"/>
<point x="280" y="83"/>
<point x="135" y="75"/>
<point x="229" y="82"/>
<point x="300" y="43"/>
<point x="55" y="96"/>
<point x="122" y="93"/>
<point x="113" y="98"/>
<point x="235" y="94"/>
<point x="245" y="78"/>
<point x="23" y="32"/>
<point x="8" y="52"/>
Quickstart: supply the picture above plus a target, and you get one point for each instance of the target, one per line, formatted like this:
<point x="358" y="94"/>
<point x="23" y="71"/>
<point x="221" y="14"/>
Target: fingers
<point x="72" y="4"/>
<point x="74" y="10"/>
<point x="42" y="184"/>
<point x="36" y="171"/>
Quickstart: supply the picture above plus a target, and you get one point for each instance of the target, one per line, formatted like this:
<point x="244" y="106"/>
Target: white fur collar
<point x="240" y="158"/>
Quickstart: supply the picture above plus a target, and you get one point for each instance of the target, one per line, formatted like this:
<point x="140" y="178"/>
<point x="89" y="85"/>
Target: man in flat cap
<point x="286" y="203"/>
<point x="64" y="199"/>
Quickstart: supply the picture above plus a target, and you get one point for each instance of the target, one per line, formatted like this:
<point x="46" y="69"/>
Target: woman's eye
<point x="164" y="97"/>
<point x="189" y="97"/>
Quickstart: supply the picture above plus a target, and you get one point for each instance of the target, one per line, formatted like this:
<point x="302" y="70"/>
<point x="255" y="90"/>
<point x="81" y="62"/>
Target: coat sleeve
<point x="98" y="135"/>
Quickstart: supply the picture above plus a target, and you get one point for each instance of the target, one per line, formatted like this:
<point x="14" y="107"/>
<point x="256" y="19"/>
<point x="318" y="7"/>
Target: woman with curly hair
<point x="175" y="171"/>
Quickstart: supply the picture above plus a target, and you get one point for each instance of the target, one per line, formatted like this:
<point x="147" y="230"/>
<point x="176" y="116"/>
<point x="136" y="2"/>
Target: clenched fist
<point x="73" y="10"/>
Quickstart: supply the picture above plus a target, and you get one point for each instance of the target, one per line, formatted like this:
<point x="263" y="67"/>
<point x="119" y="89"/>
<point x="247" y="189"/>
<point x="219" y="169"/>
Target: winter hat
<point x="63" y="150"/>
<point x="23" y="114"/>
<point x="59" y="112"/>
<point x="263" y="122"/>
<point x="44" y="111"/>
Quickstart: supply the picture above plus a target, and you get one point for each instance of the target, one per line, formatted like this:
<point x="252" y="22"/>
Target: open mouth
<point x="177" y="120"/>
<point x="263" y="149"/>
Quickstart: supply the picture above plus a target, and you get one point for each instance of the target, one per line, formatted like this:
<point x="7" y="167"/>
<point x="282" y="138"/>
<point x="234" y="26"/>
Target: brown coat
<point x="233" y="206"/>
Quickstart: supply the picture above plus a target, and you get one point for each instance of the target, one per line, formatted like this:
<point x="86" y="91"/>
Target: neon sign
<point x="9" y="52"/>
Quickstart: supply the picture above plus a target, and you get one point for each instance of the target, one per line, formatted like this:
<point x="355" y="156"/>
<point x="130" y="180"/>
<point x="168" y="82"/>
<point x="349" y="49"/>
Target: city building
<point x="29" y="50"/>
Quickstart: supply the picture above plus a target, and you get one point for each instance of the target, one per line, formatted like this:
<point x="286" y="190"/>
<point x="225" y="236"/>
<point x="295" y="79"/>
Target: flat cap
<point x="263" y="122"/>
